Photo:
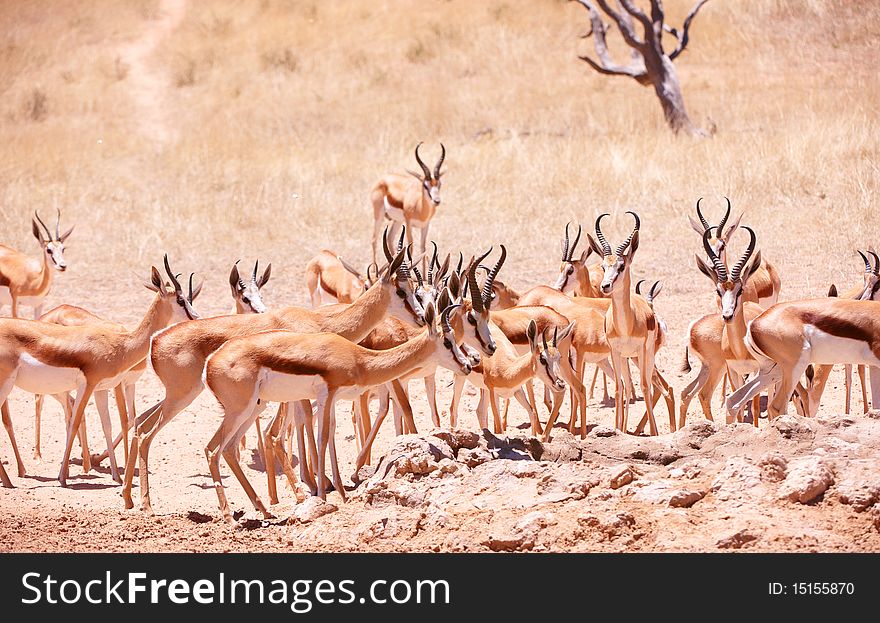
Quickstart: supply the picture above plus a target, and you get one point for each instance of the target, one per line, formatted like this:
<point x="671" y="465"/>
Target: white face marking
<point x="55" y="254"/>
<point x="36" y="377"/>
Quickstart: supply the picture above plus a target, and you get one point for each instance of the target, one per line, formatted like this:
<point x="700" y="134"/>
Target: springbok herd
<point x="369" y="334"/>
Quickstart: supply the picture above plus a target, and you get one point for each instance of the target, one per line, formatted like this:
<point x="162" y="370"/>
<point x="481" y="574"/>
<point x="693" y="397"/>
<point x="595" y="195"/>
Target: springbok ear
<point x="595" y="246"/>
<point x="429" y="318"/>
<point x="585" y="254"/>
<point x="234" y="277"/>
<point x="753" y="267"/>
<point x="565" y="333"/>
<point x="532" y="334"/>
<point x="696" y="225"/>
<point x="732" y="228"/>
<point x="706" y="269"/>
<point x="36" y="230"/>
<point x="155" y="282"/>
<point x="444" y="300"/>
<point x="634" y="245"/>
<point x="454" y="285"/>
<point x="197" y="290"/>
<point x="266" y="274"/>
<point x="66" y="234"/>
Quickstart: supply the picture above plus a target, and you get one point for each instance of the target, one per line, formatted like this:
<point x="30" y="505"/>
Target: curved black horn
<point x="724" y="220"/>
<point x="191" y="275"/>
<point x="622" y="246"/>
<point x="444" y="317"/>
<point x="639" y="286"/>
<point x="254" y="275"/>
<point x="876" y="261"/>
<point x="737" y="269"/>
<point x="425" y="169"/>
<point x="720" y="268"/>
<point x="413" y="267"/>
<point x="473" y="286"/>
<point x="440" y="162"/>
<point x="430" y="275"/>
<point x="490" y="280"/>
<point x="385" y="248"/>
<point x="555" y="335"/>
<point x="702" y="218"/>
<point x="565" y="243"/>
<point x="577" y="239"/>
<point x="460" y="261"/>
<point x="544" y="338"/>
<point x="40" y="221"/>
<point x="174" y="280"/>
<point x="58" y="225"/>
<point x="867" y="262"/>
<point x="606" y="248"/>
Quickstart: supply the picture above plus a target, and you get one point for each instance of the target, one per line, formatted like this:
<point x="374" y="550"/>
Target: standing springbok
<point x="818" y="375"/>
<point x="575" y="277"/>
<point x="178" y="356"/>
<point x="25" y="280"/>
<point x="764" y="285"/>
<point x="717" y="339"/>
<point x="330" y="279"/>
<point x="788" y="337"/>
<point x="284" y="366"/>
<point x="247" y="296"/>
<point x="407" y="202"/>
<point x="43" y="358"/>
<point x="630" y="325"/>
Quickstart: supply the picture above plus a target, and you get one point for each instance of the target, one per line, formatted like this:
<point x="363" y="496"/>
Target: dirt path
<point x="148" y="84"/>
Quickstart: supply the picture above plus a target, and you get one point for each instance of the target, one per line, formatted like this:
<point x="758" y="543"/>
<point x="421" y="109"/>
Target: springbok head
<point x="453" y="357"/>
<point x="173" y="297"/>
<point x="247" y="296"/>
<point x="397" y="275"/>
<point x="53" y="245"/>
<point x="567" y="280"/>
<point x="729" y="286"/>
<point x="548" y="354"/>
<point x="430" y="179"/>
<point x="481" y="300"/>
<point x="721" y="238"/>
<point x="614" y="263"/>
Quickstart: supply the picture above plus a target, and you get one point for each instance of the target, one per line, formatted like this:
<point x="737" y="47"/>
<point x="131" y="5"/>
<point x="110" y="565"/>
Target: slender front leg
<point x="457" y="386"/>
<point x="861" y="371"/>
<point x="533" y="415"/>
<point x="7" y="424"/>
<point x="847" y="377"/>
<point x="102" y="403"/>
<point x="4" y="477"/>
<point x="325" y="399"/>
<point x="619" y="392"/>
<point x="431" y="393"/>
<point x="334" y="463"/>
<point x="496" y="417"/>
<point x="122" y="410"/>
<point x="79" y="409"/>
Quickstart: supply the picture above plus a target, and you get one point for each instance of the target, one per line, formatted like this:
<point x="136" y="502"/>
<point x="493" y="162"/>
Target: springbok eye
<point x="245" y="300"/>
<point x="447" y="343"/>
<point x="543" y="359"/>
<point x="472" y="319"/>
<point x="49" y="251"/>
<point x="180" y="301"/>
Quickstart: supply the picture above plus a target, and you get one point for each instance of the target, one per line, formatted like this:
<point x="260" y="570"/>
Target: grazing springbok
<point x="43" y="358"/>
<point x="178" y="356"/>
<point x="718" y="339"/>
<point x="25" y="280"/>
<point x="789" y="336"/>
<point x="406" y="202"/>
<point x="630" y="324"/>
<point x="284" y="366"/>
<point x="764" y="285"/>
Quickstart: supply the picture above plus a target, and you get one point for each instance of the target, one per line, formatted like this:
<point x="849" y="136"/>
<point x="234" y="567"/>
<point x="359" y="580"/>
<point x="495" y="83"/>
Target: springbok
<point x="818" y="375"/>
<point x="575" y="277"/>
<point x="330" y="279"/>
<point x="630" y="324"/>
<point x="764" y="285"/>
<point x="717" y="339"/>
<point x="178" y="356"/>
<point x="284" y="366"/>
<point x="43" y="358"/>
<point x="25" y="280"/>
<point x="788" y="337"/>
<point x="406" y="202"/>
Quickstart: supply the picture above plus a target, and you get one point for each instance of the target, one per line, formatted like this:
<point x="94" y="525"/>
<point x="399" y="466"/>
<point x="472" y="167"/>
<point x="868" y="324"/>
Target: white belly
<point x="629" y="346"/>
<point x="39" y="378"/>
<point x="280" y="387"/>
<point x="828" y="349"/>
<point x="395" y="214"/>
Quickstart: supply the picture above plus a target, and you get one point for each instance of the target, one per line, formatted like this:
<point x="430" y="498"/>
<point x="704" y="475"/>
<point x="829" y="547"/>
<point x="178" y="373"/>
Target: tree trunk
<point x="664" y="78"/>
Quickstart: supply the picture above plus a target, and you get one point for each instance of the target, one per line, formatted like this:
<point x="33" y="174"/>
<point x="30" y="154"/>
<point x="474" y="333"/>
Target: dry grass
<point x="284" y="112"/>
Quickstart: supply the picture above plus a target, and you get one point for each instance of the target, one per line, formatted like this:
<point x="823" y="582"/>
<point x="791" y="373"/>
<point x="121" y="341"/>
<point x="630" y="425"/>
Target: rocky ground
<point x="794" y="485"/>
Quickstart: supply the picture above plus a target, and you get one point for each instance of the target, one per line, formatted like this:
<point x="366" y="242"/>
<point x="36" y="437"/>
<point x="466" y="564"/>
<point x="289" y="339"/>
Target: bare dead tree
<point x="649" y="63"/>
